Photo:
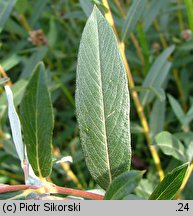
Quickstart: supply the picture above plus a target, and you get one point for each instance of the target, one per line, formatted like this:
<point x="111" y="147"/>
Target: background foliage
<point x="158" y="45"/>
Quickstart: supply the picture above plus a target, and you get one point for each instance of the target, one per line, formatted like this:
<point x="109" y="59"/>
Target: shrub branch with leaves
<point x="103" y="83"/>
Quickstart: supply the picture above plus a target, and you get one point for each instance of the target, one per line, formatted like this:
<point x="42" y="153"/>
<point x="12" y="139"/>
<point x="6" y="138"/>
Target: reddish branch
<point x="11" y="188"/>
<point x="52" y="189"/>
<point x="80" y="193"/>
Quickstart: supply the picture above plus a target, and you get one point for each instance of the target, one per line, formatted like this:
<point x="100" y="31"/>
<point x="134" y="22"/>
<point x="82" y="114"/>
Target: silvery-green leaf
<point x="170" y="145"/>
<point x="102" y="102"/>
<point x="15" y="124"/>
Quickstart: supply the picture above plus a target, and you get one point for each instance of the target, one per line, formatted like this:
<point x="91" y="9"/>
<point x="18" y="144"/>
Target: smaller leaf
<point x="133" y="15"/>
<point x="189" y="116"/>
<point x="152" y="12"/>
<point x="15" y="124"/>
<point x="153" y="90"/>
<point x="53" y="33"/>
<point x="157" y="117"/>
<point x="5" y="10"/>
<point x="157" y="75"/>
<point x="123" y="185"/>
<point x="177" y="109"/>
<point x="170" y="145"/>
<point x="170" y="185"/>
<point x="87" y="6"/>
<point x="37" y="122"/>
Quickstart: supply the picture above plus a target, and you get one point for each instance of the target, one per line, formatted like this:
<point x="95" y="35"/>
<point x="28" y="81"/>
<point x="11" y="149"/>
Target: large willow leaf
<point x="37" y="122"/>
<point x="102" y="100"/>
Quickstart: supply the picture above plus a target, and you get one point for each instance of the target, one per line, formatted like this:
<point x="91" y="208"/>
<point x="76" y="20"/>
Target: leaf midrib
<point x="161" y="194"/>
<point x="103" y="106"/>
<point x="36" y="128"/>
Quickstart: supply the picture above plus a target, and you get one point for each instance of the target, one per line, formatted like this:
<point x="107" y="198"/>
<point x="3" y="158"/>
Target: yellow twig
<point x="138" y="105"/>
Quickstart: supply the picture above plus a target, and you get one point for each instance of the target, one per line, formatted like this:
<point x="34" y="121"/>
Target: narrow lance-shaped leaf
<point x="102" y="101"/>
<point x="15" y="124"/>
<point x="5" y="10"/>
<point x="133" y="15"/>
<point x="157" y="117"/>
<point x="156" y="75"/>
<point x="170" y="185"/>
<point x="189" y="116"/>
<point x="177" y="108"/>
<point x="37" y="122"/>
<point x="152" y="11"/>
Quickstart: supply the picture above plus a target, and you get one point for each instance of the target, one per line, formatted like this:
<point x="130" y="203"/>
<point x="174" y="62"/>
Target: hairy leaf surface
<point x="102" y="101"/>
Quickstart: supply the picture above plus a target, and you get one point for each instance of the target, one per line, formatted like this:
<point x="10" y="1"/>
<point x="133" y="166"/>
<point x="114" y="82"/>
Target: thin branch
<point x="80" y="193"/>
<point x="52" y="189"/>
<point x="11" y="188"/>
